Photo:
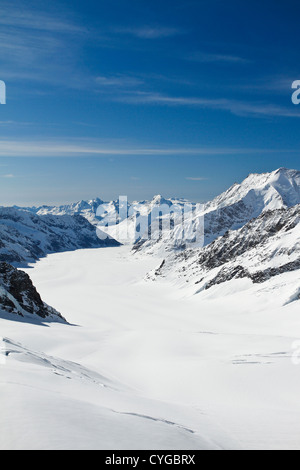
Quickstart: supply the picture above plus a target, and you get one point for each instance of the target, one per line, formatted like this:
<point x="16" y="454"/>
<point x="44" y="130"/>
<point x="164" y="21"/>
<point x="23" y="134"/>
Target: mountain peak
<point x="282" y="169"/>
<point x="158" y="199"/>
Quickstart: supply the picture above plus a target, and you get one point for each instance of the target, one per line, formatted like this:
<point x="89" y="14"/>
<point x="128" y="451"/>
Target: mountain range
<point x="235" y="207"/>
<point x="230" y="210"/>
<point x="251" y="231"/>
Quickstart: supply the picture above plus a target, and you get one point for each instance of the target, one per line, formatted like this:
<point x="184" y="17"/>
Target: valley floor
<point x="144" y="365"/>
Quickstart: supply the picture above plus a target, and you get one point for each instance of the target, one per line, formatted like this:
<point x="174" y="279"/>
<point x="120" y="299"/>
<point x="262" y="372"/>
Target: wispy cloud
<point x="14" y="17"/>
<point x="38" y="46"/>
<point x="16" y="123"/>
<point x="196" y="178"/>
<point x="9" y="175"/>
<point x="266" y="85"/>
<point x="92" y="148"/>
<point x="240" y="108"/>
<point x="118" y="81"/>
<point x="217" y="58"/>
<point x="149" y="32"/>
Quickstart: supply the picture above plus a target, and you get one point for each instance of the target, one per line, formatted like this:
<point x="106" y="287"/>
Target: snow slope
<point x="51" y="403"/>
<point x="146" y="366"/>
<point x="151" y="365"/>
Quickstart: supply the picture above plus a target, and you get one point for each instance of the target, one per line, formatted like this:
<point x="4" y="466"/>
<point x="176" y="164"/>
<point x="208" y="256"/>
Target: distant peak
<point x="269" y="175"/>
<point x="158" y="198"/>
<point x="96" y="200"/>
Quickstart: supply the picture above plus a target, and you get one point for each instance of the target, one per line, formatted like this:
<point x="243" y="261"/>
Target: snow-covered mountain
<point x="249" y="221"/>
<point x="142" y="218"/>
<point x="235" y="207"/>
<point x="252" y="232"/>
<point x="116" y="220"/>
<point x="85" y="208"/>
<point x="26" y="237"/>
<point x="18" y="296"/>
<point x="229" y="211"/>
<point x="265" y="247"/>
<point x="191" y="364"/>
<point x="88" y="209"/>
<point x="259" y="192"/>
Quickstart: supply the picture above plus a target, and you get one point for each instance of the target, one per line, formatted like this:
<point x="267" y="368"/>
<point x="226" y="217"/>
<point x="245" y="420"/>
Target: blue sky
<point x="181" y="98"/>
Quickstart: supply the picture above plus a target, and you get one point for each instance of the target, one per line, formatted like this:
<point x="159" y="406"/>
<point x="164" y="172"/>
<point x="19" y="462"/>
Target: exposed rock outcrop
<point x="18" y="296"/>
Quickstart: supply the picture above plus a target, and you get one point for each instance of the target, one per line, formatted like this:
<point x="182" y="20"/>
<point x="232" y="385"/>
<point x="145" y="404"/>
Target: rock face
<point x="253" y="235"/>
<point x="26" y="237"/>
<point x="18" y="296"/>
<point x="258" y="277"/>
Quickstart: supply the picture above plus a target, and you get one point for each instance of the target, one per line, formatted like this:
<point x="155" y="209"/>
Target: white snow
<point x="147" y="365"/>
<point x="266" y="191"/>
